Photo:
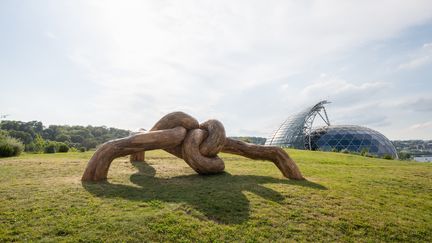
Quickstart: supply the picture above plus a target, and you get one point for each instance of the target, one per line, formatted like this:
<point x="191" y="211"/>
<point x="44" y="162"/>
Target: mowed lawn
<point x="346" y="198"/>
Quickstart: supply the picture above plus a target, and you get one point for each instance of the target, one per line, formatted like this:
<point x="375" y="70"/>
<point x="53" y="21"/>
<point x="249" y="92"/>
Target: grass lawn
<point x="346" y="198"/>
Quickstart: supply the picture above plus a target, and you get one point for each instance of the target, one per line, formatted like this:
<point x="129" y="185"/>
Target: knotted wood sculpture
<point x="198" y="144"/>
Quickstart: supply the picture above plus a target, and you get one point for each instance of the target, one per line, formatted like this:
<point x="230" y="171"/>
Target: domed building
<point x="351" y="138"/>
<point x="297" y="132"/>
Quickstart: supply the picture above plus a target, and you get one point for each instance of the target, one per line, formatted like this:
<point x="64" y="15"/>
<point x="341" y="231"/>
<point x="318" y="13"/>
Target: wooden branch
<point x="274" y="154"/>
<point x="97" y="167"/>
<point x="215" y="138"/>
<point x="174" y="119"/>
<point x="137" y="157"/>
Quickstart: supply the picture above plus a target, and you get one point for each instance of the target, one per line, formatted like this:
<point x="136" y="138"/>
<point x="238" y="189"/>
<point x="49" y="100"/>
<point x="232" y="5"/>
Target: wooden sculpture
<point x="198" y="144"/>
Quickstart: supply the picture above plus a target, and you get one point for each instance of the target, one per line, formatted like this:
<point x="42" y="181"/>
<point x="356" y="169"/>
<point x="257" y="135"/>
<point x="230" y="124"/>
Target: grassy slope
<point x="347" y="197"/>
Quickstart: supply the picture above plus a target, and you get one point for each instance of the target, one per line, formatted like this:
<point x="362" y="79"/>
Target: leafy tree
<point x="90" y="143"/>
<point x="25" y="137"/>
<point x="35" y="136"/>
<point x="77" y="139"/>
<point x="3" y="133"/>
<point x="39" y="144"/>
<point x="37" y="126"/>
<point x="50" y="133"/>
<point x="63" y="138"/>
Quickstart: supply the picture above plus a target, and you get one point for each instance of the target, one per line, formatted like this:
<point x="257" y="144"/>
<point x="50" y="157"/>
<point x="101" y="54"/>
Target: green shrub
<point x="31" y="147"/>
<point x="10" y="147"/>
<point x="387" y="156"/>
<point x="345" y="151"/>
<point x="404" y="156"/>
<point x="63" y="148"/>
<point x="50" y="148"/>
<point x="354" y="152"/>
<point x="82" y="149"/>
<point x="370" y="155"/>
<point x="6" y="150"/>
<point x="364" y="152"/>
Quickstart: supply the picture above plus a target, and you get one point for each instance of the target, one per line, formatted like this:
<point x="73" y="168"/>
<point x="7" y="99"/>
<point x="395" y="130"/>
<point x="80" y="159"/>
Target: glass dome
<point x="297" y="131"/>
<point x="291" y="133"/>
<point x="351" y="138"/>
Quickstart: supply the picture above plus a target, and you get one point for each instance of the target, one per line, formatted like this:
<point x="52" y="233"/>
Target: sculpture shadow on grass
<point x="219" y="197"/>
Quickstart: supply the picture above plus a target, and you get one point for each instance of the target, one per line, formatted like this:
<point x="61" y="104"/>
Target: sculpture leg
<point x="275" y="154"/>
<point x="98" y="166"/>
<point x="137" y="157"/>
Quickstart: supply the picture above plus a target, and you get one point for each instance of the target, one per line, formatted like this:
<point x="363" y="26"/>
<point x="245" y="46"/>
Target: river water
<point x="423" y="159"/>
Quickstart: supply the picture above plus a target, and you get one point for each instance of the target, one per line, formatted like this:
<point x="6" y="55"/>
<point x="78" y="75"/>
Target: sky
<point x="249" y="64"/>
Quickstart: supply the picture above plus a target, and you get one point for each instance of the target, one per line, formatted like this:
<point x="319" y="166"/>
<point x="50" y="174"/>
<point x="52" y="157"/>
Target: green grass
<point x="346" y="198"/>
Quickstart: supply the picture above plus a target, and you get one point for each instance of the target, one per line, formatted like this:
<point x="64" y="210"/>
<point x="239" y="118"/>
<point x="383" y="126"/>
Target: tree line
<point x="58" y="138"/>
<point x="248" y="139"/>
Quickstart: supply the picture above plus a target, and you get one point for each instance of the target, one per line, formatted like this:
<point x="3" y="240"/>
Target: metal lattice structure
<point x="294" y="130"/>
<point x="297" y="132"/>
<point x="351" y="138"/>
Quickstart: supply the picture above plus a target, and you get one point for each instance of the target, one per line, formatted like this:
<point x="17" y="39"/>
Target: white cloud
<point x="416" y="62"/>
<point x="420" y="126"/>
<point x="421" y="58"/>
<point x="187" y="55"/>
<point x="225" y="59"/>
<point x="420" y="104"/>
<point x="50" y="35"/>
<point x="336" y="87"/>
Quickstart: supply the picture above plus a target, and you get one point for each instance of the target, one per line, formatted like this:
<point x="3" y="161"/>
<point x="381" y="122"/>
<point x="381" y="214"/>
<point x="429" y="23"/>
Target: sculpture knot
<point x="198" y="144"/>
<point x="201" y="144"/>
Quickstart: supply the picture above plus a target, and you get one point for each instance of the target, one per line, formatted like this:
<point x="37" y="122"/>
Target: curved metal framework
<point x="352" y="138"/>
<point x="297" y="132"/>
<point x="294" y="131"/>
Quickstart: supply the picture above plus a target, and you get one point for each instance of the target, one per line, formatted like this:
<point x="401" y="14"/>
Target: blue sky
<point x="247" y="63"/>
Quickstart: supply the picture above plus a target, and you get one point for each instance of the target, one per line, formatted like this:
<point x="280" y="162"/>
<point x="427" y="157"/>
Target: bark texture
<point x="198" y="144"/>
<point x="97" y="167"/>
<point x="258" y="152"/>
<point x="137" y="157"/>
